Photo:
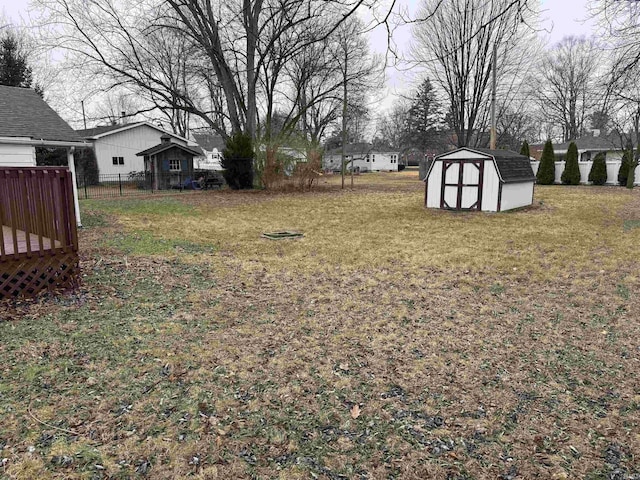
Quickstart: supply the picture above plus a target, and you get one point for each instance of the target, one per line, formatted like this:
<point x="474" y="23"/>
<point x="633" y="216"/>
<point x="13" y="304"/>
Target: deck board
<point x="22" y="242"/>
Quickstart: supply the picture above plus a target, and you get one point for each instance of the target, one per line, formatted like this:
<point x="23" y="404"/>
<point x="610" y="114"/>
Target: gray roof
<point x="92" y="132"/>
<point x="161" y="147"/>
<point x="512" y="167"/>
<point x="24" y="114"/>
<point x="209" y="141"/>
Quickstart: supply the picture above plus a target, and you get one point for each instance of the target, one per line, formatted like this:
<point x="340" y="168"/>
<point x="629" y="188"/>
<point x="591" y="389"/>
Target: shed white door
<point x="462" y="184"/>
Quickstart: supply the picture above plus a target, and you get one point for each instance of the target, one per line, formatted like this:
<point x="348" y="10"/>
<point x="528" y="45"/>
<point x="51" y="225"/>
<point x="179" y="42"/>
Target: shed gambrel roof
<point x="23" y="113"/>
<point x="511" y="166"/>
<point x="161" y="147"/>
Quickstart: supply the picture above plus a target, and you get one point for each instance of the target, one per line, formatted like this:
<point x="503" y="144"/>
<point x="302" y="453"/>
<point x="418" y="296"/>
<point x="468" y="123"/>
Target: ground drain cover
<point x="282" y="235"/>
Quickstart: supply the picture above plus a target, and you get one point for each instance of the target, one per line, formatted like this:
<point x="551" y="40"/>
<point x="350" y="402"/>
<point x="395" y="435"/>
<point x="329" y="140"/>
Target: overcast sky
<point x="559" y="18"/>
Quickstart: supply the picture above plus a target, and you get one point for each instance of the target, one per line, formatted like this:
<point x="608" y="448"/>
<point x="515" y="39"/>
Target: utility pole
<point x="493" y="97"/>
<point x="84" y="118"/>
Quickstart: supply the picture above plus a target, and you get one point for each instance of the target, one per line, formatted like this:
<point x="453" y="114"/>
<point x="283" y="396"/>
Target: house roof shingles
<point x="512" y="167"/>
<point x="161" y="147"/>
<point x="24" y="114"/>
<point x="92" y="132"/>
<point x="208" y="141"/>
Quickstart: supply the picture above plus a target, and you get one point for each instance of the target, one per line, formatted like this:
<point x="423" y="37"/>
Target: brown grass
<point x="475" y="346"/>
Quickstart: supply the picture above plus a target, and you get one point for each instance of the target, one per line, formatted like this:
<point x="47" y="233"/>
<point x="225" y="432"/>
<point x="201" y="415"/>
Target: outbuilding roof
<point x="511" y="166"/>
<point x="23" y="113"/>
<point x="161" y="147"/>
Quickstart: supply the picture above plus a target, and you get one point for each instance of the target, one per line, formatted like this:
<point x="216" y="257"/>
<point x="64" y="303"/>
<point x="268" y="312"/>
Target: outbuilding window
<point x="174" y="165"/>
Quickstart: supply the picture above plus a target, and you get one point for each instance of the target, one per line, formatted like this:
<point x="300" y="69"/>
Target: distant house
<point x="27" y="122"/>
<point x="116" y="146"/>
<point x="588" y="147"/>
<point x="362" y="157"/>
<point x="479" y="179"/>
<point x="212" y="146"/>
<point x="170" y="163"/>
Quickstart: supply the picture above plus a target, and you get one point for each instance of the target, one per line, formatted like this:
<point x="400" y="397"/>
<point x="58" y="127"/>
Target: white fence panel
<point x="613" y="166"/>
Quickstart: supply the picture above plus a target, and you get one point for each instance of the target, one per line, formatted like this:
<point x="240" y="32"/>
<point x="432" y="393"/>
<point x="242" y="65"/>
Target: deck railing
<point x="36" y="211"/>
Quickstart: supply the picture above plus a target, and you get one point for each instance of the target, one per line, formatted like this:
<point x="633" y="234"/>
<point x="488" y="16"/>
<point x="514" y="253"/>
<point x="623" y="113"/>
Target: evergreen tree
<point x="237" y="162"/>
<point x="627" y="160"/>
<point x="571" y="173"/>
<point x="424" y="117"/>
<point x="598" y="173"/>
<point x="14" y="68"/>
<point x="524" y="150"/>
<point x="547" y="169"/>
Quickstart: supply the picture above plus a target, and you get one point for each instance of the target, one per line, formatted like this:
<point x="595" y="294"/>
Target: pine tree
<point x="571" y="173"/>
<point x="237" y="162"/>
<point x="627" y="159"/>
<point x="524" y="150"/>
<point x="424" y="116"/>
<point x="14" y="68"/>
<point x="598" y="173"/>
<point x="547" y="169"/>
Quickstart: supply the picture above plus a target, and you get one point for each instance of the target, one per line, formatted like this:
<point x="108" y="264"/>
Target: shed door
<point x="462" y="184"/>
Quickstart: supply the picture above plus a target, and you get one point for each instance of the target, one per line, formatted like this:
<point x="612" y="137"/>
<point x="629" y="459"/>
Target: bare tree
<point x="457" y="45"/>
<point x="568" y="85"/>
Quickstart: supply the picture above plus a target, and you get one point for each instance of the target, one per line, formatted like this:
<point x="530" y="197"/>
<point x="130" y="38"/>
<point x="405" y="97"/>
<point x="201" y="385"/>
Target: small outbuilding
<point x="479" y="179"/>
<point x="170" y="164"/>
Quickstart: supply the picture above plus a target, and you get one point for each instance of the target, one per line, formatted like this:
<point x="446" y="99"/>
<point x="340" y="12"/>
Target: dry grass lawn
<point x="390" y="342"/>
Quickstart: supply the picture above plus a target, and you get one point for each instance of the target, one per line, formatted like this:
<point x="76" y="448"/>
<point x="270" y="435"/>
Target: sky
<point x="559" y="18"/>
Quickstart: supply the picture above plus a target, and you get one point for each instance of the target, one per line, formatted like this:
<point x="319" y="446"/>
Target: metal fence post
<point x="86" y="194"/>
<point x="120" y="184"/>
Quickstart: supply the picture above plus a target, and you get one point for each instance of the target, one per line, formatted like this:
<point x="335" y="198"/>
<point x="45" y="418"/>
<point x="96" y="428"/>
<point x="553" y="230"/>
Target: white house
<point x="479" y="179"/>
<point x="116" y="145"/>
<point x="212" y="146"/>
<point x="363" y="157"/>
<point x="27" y="122"/>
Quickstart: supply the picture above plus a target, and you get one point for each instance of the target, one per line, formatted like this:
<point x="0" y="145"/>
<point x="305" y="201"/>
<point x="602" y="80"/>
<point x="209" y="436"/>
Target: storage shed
<point x="479" y="179"/>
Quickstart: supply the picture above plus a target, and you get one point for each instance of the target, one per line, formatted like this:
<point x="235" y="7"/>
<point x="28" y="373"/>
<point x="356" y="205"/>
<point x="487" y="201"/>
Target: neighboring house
<point x="212" y="146"/>
<point x="116" y="146"/>
<point x="170" y="163"/>
<point x="27" y="122"/>
<point x="479" y="179"/>
<point x="362" y="157"/>
<point x="588" y="147"/>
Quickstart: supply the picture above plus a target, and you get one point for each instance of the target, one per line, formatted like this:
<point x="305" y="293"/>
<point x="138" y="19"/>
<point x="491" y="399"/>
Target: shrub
<point x="598" y="173"/>
<point x="547" y="169"/>
<point x="524" y="150"/>
<point x="627" y="159"/>
<point x="571" y="173"/>
<point x="238" y="162"/>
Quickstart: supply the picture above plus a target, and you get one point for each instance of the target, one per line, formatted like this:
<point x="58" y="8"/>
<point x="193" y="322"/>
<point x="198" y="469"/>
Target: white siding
<point x="17" y="155"/>
<point x="434" y="185"/>
<point x="516" y="195"/>
<point x="126" y="144"/>
<point x="490" y="187"/>
<point x="378" y="162"/>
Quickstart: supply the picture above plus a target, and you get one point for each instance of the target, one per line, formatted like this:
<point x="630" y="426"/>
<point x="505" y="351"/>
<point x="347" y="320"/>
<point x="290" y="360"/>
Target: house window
<point x="367" y="158"/>
<point x="117" y="160"/>
<point x="174" y="165"/>
<point x="373" y="158"/>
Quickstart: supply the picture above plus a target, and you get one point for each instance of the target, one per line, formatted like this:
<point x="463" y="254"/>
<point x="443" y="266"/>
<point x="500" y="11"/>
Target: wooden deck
<point x="21" y="242"/>
<point x="39" y="240"/>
